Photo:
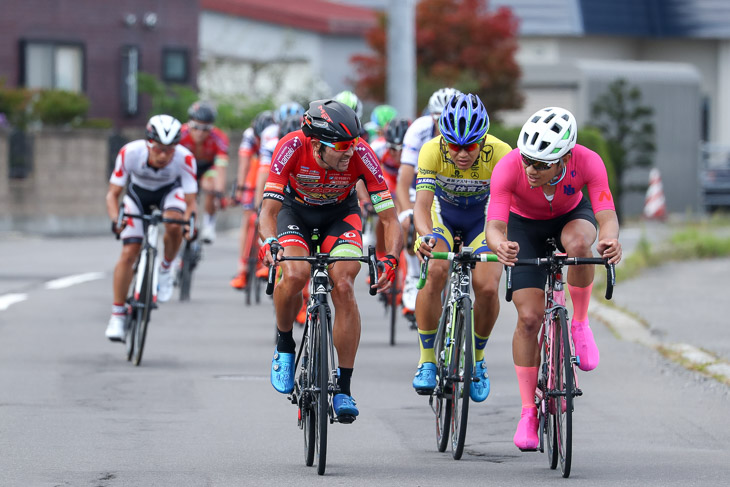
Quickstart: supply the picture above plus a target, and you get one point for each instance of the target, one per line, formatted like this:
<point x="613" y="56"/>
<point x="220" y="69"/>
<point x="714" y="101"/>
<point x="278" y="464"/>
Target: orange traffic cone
<point x="655" y="206"/>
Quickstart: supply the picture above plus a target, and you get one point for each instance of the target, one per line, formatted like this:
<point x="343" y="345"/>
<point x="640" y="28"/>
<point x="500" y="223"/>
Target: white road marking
<point x="8" y="299"/>
<point x="69" y="281"/>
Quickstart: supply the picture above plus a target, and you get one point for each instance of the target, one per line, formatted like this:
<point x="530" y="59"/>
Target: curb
<point x="629" y="329"/>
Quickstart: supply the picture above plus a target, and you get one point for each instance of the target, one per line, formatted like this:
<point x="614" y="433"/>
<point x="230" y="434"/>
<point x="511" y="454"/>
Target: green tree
<point x="459" y="43"/>
<point x="628" y="127"/>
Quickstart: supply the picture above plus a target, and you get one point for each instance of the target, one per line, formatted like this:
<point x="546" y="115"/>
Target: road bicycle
<point x="454" y="348"/>
<point x="315" y="383"/>
<point x="557" y="384"/>
<point x="252" y="290"/>
<point x="142" y="296"/>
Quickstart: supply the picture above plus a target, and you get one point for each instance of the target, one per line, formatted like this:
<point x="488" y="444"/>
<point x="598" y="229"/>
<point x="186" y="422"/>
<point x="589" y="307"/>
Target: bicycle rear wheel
<point x="131" y="318"/>
<point x="144" y="310"/>
<point x="460" y="371"/>
<point x="563" y="402"/>
<point x="322" y="395"/>
<point x="393" y="311"/>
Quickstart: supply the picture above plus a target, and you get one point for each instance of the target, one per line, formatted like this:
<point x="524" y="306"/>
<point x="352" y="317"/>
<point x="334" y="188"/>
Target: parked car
<point x="715" y="177"/>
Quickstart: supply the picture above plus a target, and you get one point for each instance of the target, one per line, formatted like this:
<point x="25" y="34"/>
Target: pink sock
<point x="527" y="380"/>
<point x="580" y="296"/>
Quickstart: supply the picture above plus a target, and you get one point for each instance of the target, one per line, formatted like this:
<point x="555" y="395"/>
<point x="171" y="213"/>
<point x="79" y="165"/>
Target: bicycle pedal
<point x="424" y="392"/>
<point x="578" y="392"/>
<point x="345" y="418"/>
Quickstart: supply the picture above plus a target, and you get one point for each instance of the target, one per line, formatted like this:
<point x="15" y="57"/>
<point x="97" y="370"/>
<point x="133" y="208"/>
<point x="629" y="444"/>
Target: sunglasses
<point x="458" y="148"/>
<point x="205" y="127"/>
<point x="395" y="147"/>
<point x="538" y="164"/>
<point x="341" y="146"/>
<point x="161" y="148"/>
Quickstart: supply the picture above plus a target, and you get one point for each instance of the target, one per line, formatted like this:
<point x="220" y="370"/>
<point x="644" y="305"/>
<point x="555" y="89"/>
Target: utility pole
<point x="401" y="51"/>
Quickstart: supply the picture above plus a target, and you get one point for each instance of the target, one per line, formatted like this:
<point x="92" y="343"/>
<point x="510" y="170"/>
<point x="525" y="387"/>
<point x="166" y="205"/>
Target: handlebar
<point x="461" y="257"/>
<point x="323" y="259"/>
<point x="154" y="218"/>
<point x="561" y="260"/>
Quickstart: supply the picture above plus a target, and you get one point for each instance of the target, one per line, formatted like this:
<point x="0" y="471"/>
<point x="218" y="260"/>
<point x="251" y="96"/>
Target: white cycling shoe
<point x="207" y="233"/>
<point x="165" y="286"/>
<point x="115" y="328"/>
<point x="410" y="291"/>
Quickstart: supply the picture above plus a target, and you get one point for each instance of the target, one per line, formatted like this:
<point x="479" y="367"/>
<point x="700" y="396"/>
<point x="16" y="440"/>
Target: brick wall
<point x="64" y="193"/>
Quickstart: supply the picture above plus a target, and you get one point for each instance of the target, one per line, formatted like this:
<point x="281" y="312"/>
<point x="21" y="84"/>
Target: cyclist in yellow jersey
<point x="452" y="190"/>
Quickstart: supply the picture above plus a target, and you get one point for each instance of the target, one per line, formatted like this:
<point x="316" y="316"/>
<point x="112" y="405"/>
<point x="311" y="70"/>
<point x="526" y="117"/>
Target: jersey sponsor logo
<point x="487" y="153"/>
<point x="605" y="196"/>
<point x="285" y="153"/>
<point x="350" y="234"/>
<point x="569" y="190"/>
<point x="371" y="163"/>
<point x="274" y="187"/>
<point x="293" y="227"/>
<point x="274" y="196"/>
<point x="438" y="230"/>
<point x="324" y="114"/>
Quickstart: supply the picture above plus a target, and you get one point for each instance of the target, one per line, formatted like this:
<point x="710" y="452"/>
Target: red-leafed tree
<point x="458" y="43"/>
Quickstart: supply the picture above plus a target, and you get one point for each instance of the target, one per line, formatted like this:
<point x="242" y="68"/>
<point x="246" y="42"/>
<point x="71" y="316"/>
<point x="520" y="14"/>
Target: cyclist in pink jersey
<point x="536" y="194"/>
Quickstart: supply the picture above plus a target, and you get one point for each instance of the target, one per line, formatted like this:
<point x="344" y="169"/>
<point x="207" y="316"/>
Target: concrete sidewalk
<point x="676" y="309"/>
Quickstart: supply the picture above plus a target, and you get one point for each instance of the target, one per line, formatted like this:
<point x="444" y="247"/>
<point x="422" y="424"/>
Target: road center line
<point x="8" y="299"/>
<point x="69" y="281"/>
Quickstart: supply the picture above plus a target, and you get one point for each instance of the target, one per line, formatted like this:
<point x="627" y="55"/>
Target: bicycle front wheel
<point x="460" y="372"/>
<point x="323" y="385"/>
<point x="145" y="309"/>
<point x="186" y="273"/>
<point x="393" y="311"/>
<point x="547" y="405"/>
<point x="443" y="393"/>
<point x="564" y="387"/>
<point x="307" y="379"/>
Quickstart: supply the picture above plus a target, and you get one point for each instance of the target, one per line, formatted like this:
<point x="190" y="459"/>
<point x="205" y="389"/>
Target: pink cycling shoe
<point x="585" y="346"/>
<point x="526" y="436"/>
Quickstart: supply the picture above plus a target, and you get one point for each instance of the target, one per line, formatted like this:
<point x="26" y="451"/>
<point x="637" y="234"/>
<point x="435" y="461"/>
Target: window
<point x="175" y="65"/>
<point x="130" y="69"/>
<point x="53" y="65"/>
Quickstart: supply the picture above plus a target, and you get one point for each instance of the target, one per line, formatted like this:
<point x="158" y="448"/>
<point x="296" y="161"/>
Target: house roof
<point x="708" y="19"/>
<point x="314" y="15"/>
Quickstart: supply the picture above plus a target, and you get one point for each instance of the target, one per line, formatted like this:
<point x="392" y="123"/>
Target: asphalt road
<point x="200" y="411"/>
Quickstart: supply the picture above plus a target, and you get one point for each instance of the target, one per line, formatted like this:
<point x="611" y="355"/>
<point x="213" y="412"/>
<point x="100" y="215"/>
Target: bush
<point x="58" y="107"/>
<point x="13" y="103"/>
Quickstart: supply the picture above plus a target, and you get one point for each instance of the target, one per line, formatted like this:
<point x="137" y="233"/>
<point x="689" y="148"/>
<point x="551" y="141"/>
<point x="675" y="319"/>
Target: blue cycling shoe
<point x="480" y="390"/>
<point x="425" y="380"/>
<point x="282" y="372"/>
<point x="345" y="408"/>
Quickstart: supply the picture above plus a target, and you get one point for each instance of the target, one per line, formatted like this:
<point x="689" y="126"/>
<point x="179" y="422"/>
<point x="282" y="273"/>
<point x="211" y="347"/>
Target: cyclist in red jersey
<point x="210" y="146"/>
<point x="311" y="185"/>
<point x="535" y="195"/>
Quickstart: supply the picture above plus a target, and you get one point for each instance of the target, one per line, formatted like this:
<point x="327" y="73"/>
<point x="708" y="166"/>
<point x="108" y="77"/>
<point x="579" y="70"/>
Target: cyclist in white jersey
<point x="160" y="173"/>
<point x="421" y="131"/>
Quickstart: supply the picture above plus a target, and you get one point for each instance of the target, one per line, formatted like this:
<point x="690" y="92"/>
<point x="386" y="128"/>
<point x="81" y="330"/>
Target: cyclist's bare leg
<point x="486" y="298"/>
<point x="242" y="244"/>
<point x="207" y="183"/>
<point x="577" y="237"/>
<point x="530" y="304"/>
<point x="346" y="326"/>
<point x="428" y="302"/>
<point x="288" y="292"/>
<point x="173" y="235"/>
<point x="124" y="271"/>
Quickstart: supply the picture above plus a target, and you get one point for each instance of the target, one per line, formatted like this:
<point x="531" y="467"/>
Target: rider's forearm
<point x="495" y="233"/>
<point x="393" y="233"/>
<point x="191" y="205"/>
<point x="268" y="219"/>
<point x="607" y="224"/>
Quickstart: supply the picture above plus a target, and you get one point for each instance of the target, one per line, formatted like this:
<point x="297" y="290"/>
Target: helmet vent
<point x="549" y="117"/>
<point x="556" y="128"/>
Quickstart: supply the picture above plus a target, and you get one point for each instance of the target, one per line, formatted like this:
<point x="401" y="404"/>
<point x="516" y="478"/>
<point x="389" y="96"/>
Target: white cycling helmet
<point x="163" y="129"/>
<point x="440" y="98"/>
<point x="548" y="134"/>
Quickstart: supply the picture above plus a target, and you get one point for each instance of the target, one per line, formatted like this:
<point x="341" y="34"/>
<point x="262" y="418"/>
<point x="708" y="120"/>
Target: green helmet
<point x="382" y="114"/>
<point x="351" y="100"/>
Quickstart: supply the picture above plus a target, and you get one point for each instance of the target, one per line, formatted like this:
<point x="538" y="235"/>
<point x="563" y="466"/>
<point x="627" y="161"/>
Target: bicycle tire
<point x="130" y="319"/>
<point x="250" y="280"/>
<point x="393" y="312"/>
<point x="460" y="370"/>
<point x="443" y="392"/>
<point x="186" y="273"/>
<point x="322" y="393"/>
<point x="308" y="377"/>
<point x="146" y="295"/>
<point x="547" y="405"/>
<point x="564" y="382"/>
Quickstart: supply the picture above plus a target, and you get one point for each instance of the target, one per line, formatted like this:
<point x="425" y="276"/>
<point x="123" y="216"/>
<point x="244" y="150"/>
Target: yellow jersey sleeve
<point x="460" y="187"/>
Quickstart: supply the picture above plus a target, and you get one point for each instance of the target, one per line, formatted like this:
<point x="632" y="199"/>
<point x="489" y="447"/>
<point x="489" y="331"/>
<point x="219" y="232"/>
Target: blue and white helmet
<point x="464" y="120"/>
<point x="548" y="134"/>
<point x="164" y="129"/>
<point x="287" y="110"/>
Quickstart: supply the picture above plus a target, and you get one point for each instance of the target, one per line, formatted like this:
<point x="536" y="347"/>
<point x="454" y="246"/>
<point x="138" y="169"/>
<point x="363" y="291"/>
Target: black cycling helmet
<point x="202" y="112"/>
<point x="261" y="121"/>
<point x="395" y="130"/>
<point x="290" y="124"/>
<point x="331" y="121"/>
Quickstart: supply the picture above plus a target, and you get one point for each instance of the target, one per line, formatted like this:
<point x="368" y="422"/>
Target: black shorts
<point x="338" y="224"/>
<point x="531" y="236"/>
<point x="201" y="168"/>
